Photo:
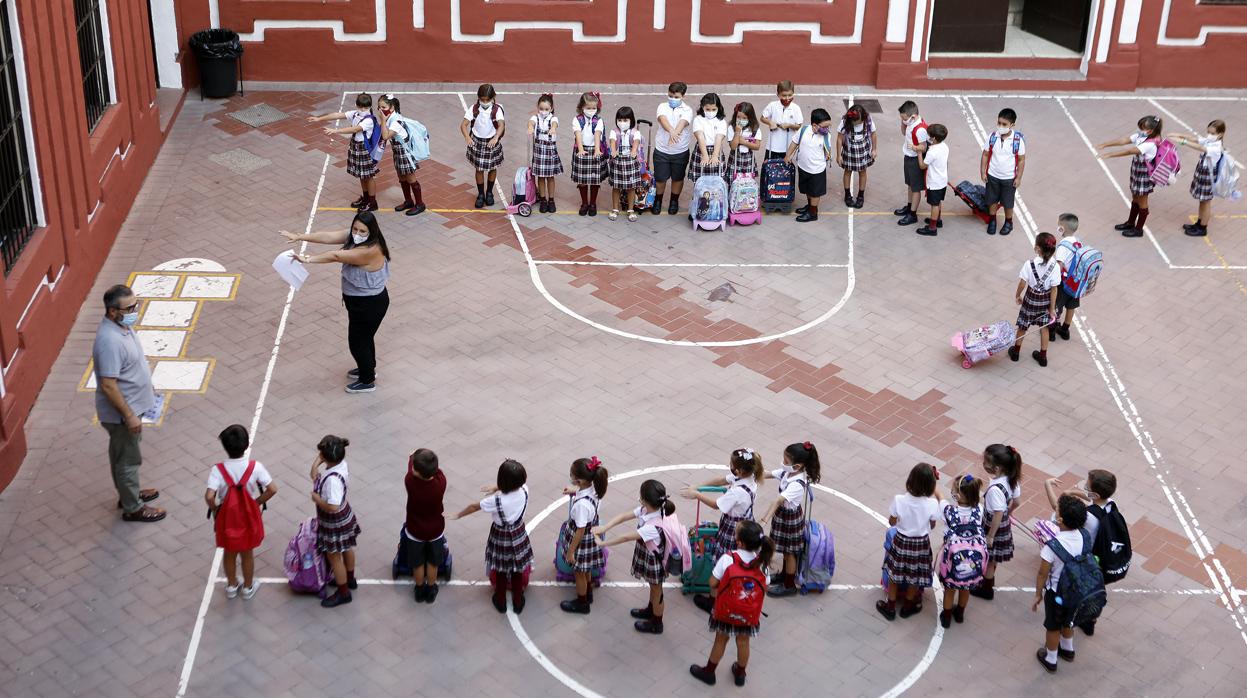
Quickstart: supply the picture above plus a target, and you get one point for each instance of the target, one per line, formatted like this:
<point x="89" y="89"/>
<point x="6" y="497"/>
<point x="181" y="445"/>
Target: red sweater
<point x="424" y="506"/>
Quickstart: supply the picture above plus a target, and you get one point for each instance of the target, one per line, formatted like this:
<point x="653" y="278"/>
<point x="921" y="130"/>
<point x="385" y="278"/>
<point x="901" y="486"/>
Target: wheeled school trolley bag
<point x="709" y="203"/>
<point x="524" y="190"/>
<point x="743" y="202"/>
<point x="399" y="568"/>
<point x="701" y="537"/>
<point x="563" y="572"/>
<point x="646" y="191"/>
<point x="980" y="343"/>
<point x="779" y="186"/>
<point x="975" y="196"/>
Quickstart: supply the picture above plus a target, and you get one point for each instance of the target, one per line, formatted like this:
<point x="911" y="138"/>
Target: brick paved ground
<point x="479" y="365"/>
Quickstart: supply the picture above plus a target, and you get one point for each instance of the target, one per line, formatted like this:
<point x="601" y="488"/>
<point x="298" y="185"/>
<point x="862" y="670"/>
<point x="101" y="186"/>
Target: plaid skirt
<point x="788" y="530"/>
<point x="855" y="151"/>
<point x="741" y="163"/>
<point x="404" y="160"/>
<point x="721" y="628"/>
<point x="1034" y="310"/>
<point x="910" y="561"/>
<point x="1000" y="548"/>
<point x="546" y="160"/>
<point x="725" y="541"/>
<point x="358" y="162"/>
<point x="1140" y="181"/>
<point x="482" y="157"/>
<point x="696" y="169"/>
<point x="625" y="171"/>
<point x="1201" y="182"/>
<point x="589" y="556"/>
<point x="647" y="566"/>
<point x="336" y="531"/>
<point x="508" y="549"/>
<point x="588" y="167"/>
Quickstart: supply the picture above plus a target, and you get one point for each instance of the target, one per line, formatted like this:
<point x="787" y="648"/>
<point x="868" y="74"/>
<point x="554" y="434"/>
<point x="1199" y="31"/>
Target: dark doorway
<point x="969" y="26"/>
<point x="1063" y="22"/>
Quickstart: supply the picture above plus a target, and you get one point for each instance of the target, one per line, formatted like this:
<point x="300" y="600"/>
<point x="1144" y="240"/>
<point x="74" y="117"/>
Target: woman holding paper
<point x="365" y="261"/>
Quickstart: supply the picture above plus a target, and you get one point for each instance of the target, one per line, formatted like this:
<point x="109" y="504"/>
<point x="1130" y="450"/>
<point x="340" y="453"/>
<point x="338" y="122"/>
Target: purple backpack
<point x="305" y="565"/>
<point x="818" y="557"/>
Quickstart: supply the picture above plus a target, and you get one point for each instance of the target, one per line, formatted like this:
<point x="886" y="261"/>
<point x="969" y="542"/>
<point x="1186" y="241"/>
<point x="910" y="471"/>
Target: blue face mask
<point x="130" y="319"/>
<point x="673" y="102"/>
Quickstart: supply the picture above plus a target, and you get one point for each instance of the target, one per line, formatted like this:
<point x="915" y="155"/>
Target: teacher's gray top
<point x="117" y="353"/>
<point x="357" y="281"/>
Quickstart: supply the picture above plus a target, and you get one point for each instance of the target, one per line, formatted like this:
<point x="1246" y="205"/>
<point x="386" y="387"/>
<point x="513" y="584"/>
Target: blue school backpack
<point x="1080" y="589"/>
<point x="373" y="141"/>
<point x="818" y="555"/>
<point x="826" y="142"/>
<point x="417" y="138"/>
<point x="1017" y="145"/>
<point x="1084" y="269"/>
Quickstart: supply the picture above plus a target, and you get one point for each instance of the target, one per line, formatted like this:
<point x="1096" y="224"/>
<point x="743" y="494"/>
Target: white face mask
<point x="711" y="114"/>
<point x="486" y="105"/>
<point x="544" y="112"/>
<point x="742" y="123"/>
<point x="591" y="113"/>
<point x="1209" y="138"/>
<point x="1003" y="130"/>
<point x="359" y="239"/>
<point x="1142" y="135"/>
<point x="623" y="125"/>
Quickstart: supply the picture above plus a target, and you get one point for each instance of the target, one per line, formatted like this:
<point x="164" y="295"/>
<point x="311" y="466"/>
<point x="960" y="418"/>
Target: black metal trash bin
<point x="217" y="52"/>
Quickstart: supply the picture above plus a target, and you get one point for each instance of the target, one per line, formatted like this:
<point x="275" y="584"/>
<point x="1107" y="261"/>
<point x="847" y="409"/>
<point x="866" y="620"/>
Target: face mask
<point x="486" y="105"/>
<point x="822" y="130"/>
<point x="1141" y="135"/>
<point x="359" y="240"/>
<point x="1210" y="138"/>
<point x="785" y="102"/>
<point x="623" y="125"/>
<point x="711" y="114"/>
<point x="545" y="112"/>
<point x="591" y="113"/>
<point x="742" y="123"/>
<point x="130" y="319"/>
<point x="387" y="112"/>
<point x="673" y="102"/>
<point x="1003" y="130"/>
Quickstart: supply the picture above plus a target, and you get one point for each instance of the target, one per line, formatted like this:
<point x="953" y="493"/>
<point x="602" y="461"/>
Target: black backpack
<point x="1112" y="542"/>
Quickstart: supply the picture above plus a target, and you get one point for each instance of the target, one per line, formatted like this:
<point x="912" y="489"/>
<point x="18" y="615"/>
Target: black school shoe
<point x="939" y="224"/>
<point x="650" y="627"/>
<point x="1007" y="227"/>
<point x="1123" y="226"/>
<point x="421" y="593"/>
<point x="927" y="230"/>
<point x="807" y="217"/>
<point x="903" y="211"/>
<point x="489" y="197"/>
<point x="1067" y="655"/>
<point x="1198" y="231"/>
<point x="991" y="227"/>
<point x="848" y="199"/>
<point x="1062" y="331"/>
<point x="1132" y="233"/>
<point x="1042" y="656"/>
<point x="858" y="202"/>
<point x="575" y="606"/>
<point x="907" y="219"/>
<point x="672" y="208"/>
<point x="480" y="201"/>
<point x="1014" y="354"/>
<point x="1039" y="357"/>
<point x="702" y="674"/>
<point x="416" y="210"/>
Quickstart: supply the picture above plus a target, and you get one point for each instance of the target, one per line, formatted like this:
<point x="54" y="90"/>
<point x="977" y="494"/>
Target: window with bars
<point x="92" y="58"/>
<point x="17" y="191"/>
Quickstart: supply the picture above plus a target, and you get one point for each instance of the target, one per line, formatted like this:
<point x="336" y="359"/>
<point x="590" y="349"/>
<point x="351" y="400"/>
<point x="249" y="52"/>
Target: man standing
<point x="123" y="392"/>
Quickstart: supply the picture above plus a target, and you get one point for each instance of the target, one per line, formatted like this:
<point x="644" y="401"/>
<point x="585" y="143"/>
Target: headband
<point x="593" y="463"/>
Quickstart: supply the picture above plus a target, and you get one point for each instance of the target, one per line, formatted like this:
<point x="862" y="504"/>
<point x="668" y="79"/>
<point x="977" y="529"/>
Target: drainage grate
<point x="240" y="161"/>
<point x="259" y="115"/>
<point x="872" y="105"/>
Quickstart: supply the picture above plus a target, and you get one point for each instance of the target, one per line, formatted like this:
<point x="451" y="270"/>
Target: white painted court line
<point x="1222" y="584"/>
<point x="744" y="265"/>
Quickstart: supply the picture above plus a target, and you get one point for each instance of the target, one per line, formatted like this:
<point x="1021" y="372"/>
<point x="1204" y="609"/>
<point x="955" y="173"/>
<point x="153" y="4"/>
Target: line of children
<point x="1142" y="148"/>
<point x="1211" y="150"/>
<point x="671" y="147"/>
<point x="484" y="125"/>
<point x="337" y="528"/>
<point x="857" y="145"/>
<point x="1004" y="464"/>
<point x="508" y="552"/>
<point x="810" y="151"/>
<point x="910" y="562"/>
<point x="237" y="488"/>
<point x="933" y="161"/>
<point x="787" y="513"/>
<point x="359" y="162"/>
<point x="589" y="480"/>
<point x="649" y="556"/>
<point x="1036" y="280"/>
<point x="1001" y="167"/>
<point x="543" y="128"/>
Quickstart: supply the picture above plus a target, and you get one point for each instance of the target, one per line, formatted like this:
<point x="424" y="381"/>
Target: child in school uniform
<point x="1211" y="150"/>
<point x="745" y="474"/>
<point x="1057" y="623"/>
<point x="671" y="147"/>
<point x="810" y="151"/>
<point x="249" y="480"/>
<point x="1142" y="146"/>
<point x="1097" y="492"/>
<point x="963" y="522"/>
<point x="543" y="128"/>
<point x="1067" y="228"/>
<point x="915" y="137"/>
<point x="627" y="146"/>
<point x="934" y="162"/>
<point x="423" y="543"/>
<point x="589" y="152"/>
<point x="363" y="134"/>
<point x="1001" y="167"/>
<point x="395" y="132"/>
<point x="857" y="144"/>
<point x="1004" y="465"/>
<point x="508" y="552"/>
<point x="589" y="480"/>
<point x="747" y="559"/>
<point x="338" y="528"/>
<point x="484" y="124"/>
<point x="781" y="117"/>
<point x="1034" y="293"/>
<point x="650" y="552"/>
<point x="909" y="562"/>
<point x="742" y="141"/>
<point x="710" y="135"/>
<point x="801" y="469"/>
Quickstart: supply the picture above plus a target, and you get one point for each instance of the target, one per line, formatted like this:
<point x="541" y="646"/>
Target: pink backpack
<point x="1164" y="168"/>
<point x="305" y="565"/>
<point x="676" y="537"/>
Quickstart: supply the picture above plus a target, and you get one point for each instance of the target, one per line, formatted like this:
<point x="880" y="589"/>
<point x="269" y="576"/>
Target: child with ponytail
<point x="589" y="152"/>
<point x="736" y="576"/>
<point x="650" y="553"/>
<point x="1004" y="465"/>
<point x="1141" y="148"/>
<point x="508" y="552"/>
<point x="394" y="130"/>
<point x="1036" y="280"/>
<point x="744" y="476"/>
<point x="801" y="469"/>
<point x="581" y="549"/>
<point x="337" y="527"/>
<point x="543" y="128"/>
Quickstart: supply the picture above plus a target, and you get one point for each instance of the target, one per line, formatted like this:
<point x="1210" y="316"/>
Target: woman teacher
<point x="365" y="261"/>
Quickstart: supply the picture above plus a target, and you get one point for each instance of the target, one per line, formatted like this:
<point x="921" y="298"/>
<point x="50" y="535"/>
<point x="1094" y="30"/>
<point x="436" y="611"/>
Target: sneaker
<point x="480" y="201"/>
<point x="779" y="591"/>
<point x="702" y="674"/>
<point x="421" y="593"/>
<point x="642" y="613"/>
<point x="1039" y="358"/>
<point x="249" y="592"/>
<point x="575" y="606"/>
<point x="738" y="674"/>
<point x="939" y="224"/>
<point x="489" y="197"/>
<point x="1007" y="227"/>
<point x="1132" y="233"/>
<point x="888" y="613"/>
<point x="416" y="210"/>
<point x="991" y="227"/>
<point x="927" y="230"/>
<point x="806" y="217"/>
<point x="1014" y="354"/>
<point x="1042" y="656"/>
<point x="404" y="206"/>
<point x="359" y="387"/>
<point x="632" y="216"/>
<point x="1062" y="331"/>
<point x="1067" y="655"/>
<point x="648" y="626"/>
<point x="907" y="219"/>
<point x="903" y="211"/>
<point x="1198" y="231"/>
<point x="613" y="215"/>
<point x="431" y="593"/>
<point x="908" y="611"/>
<point x="231" y="592"/>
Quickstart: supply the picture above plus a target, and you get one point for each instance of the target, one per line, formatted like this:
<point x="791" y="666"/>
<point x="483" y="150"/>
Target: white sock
<point x="1051" y="656"/>
<point x="1067" y="644"/>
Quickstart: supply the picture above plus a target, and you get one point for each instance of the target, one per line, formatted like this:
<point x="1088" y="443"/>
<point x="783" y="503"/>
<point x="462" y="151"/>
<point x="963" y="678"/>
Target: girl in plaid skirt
<point x="909" y="562"/>
<point x="364" y="135"/>
<point x="1211" y="151"/>
<point x="750" y="553"/>
<point x="801" y="469"/>
<point x="543" y="129"/>
<point x="856" y="147"/>
<point x="1036" y="281"/>
<point x="589" y="152"/>
<point x="962" y="519"/>
<point x="710" y="134"/>
<point x="1141" y="150"/>
<point x="627" y="147"/>
<point x="580" y="548"/>
<point x="395" y="131"/>
<point x="745" y="474"/>
<point x="650" y="553"/>
<point x="337" y="527"/>
<point x="1004" y="465"/>
<point x="742" y="141"/>
<point x="508" y="552"/>
<point x="484" y="124"/>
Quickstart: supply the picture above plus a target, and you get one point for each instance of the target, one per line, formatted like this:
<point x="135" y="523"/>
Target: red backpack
<point x="741" y="592"/>
<point x="238" y="523"/>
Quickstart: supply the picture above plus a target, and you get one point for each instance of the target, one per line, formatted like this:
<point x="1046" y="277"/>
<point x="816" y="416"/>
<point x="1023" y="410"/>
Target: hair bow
<point x="593" y="463"/>
<point x="807" y="445"/>
<point x="389" y="95"/>
<point x="747" y="453"/>
<point x="967" y="479"/>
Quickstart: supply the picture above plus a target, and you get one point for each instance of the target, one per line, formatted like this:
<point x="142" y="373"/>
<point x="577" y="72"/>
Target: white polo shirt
<point x="777" y="140"/>
<point x="359" y="117"/>
<point x="1003" y="165"/>
<point x="812" y="149"/>
<point x="482" y="126"/>
<point x="1146" y="149"/>
<point x="937" y="166"/>
<point x="662" y="140"/>
<point x="914" y="133"/>
<point x="1072" y="542"/>
<point x="710" y="129"/>
<point x="512" y="505"/>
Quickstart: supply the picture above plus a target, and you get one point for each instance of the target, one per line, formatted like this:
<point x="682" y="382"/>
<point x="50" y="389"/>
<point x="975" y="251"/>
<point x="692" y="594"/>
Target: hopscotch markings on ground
<point x="1222" y="584"/>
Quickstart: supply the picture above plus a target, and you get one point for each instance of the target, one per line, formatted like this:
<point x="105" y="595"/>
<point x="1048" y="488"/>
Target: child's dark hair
<point x="591" y="470"/>
<point x="333" y="448"/>
<point x="1152" y="125"/>
<point x="654" y="493"/>
<point x="1102" y="483"/>
<point x="746" y="108"/>
<point x="938" y="132"/>
<point x="746" y="463"/>
<point x="392" y="101"/>
<point x="546" y="98"/>
<point x="235" y="440"/>
<point x="1008" y="115"/>
<point x="921" y="480"/>
<point x="709" y="99"/>
<point x="511" y="476"/>
<point x="626" y="113"/>
<point x="1217" y="126"/>
<point x="486" y="91"/>
<point x="1004" y="460"/>
<point x="1069" y="221"/>
<point x="678" y="87"/>
<point x="363" y="100"/>
<point x="1073" y="512"/>
<point x="587" y="97"/>
<point x="805" y="455"/>
<point x="424" y="462"/>
<point x="784" y="86"/>
<point x="819" y="116"/>
<point x="969" y="488"/>
<point x="908" y="108"/>
<point x="1046" y="244"/>
<point x="752" y="538"/>
<point x="855" y="113"/>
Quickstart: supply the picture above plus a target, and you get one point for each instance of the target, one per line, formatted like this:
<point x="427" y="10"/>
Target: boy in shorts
<point x="1058" y="629"/>
<point x="934" y="162"/>
<point x="1067" y="225"/>
<point x="423" y="543"/>
<point x="916" y="136"/>
<point x="671" y="147"/>
<point x="811" y="151"/>
<point x="1004" y="159"/>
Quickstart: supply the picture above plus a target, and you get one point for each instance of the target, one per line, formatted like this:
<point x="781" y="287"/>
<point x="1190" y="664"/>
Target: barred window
<point x="92" y="58"/>
<point x="17" y="192"/>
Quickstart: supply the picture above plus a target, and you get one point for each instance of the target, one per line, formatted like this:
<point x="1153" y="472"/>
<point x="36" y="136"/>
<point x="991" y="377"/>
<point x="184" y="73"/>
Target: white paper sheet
<point x="290" y="270"/>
